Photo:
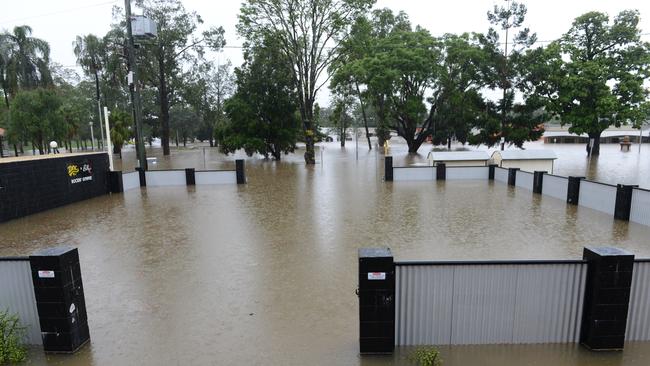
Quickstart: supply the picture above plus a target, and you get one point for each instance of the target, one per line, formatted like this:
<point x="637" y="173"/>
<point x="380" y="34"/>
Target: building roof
<point x="516" y="154"/>
<point x="619" y="133"/>
<point x="458" y="155"/>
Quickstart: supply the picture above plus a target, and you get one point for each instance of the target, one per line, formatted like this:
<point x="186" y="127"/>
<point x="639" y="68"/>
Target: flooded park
<point x="266" y="272"/>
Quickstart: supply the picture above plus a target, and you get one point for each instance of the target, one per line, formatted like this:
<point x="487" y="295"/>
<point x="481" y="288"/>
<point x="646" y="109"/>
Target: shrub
<point x="12" y="334"/>
<point x="426" y="356"/>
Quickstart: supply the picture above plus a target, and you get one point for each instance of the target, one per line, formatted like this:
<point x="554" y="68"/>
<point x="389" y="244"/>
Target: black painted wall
<point x="30" y="186"/>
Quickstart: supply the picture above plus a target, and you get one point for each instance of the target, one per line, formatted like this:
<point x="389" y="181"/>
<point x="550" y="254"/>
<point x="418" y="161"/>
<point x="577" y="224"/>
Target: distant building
<point x="556" y="134"/>
<point x="528" y="160"/>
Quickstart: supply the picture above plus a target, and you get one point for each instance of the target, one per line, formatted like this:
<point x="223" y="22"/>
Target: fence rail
<point x="487" y="303"/>
<point x="17" y="295"/>
<point x="414" y="173"/>
<point x="555" y="186"/>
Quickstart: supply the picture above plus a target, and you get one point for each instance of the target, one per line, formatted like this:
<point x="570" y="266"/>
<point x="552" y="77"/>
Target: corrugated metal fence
<point x="486" y="303"/>
<point x="555" y="186"/>
<point x="598" y="196"/>
<point x="501" y="174"/>
<point x="638" y="318"/>
<point x="17" y="295"/>
<point x="524" y="180"/>
<point x="468" y="173"/>
<point x="640" y="210"/>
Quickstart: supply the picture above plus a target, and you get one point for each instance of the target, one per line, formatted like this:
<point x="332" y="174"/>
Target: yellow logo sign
<point x="73" y="170"/>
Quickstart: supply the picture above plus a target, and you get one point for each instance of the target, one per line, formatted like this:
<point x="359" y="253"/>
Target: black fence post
<point x="492" y="168"/>
<point x="114" y="180"/>
<point x="441" y="171"/>
<point x="190" y="177"/>
<point x="60" y="301"/>
<point x="607" y="298"/>
<point x="376" y="300"/>
<point x="388" y="169"/>
<point x="143" y="177"/>
<point x="573" y="190"/>
<point x="538" y="181"/>
<point x="512" y="176"/>
<point x="623" y="201"/>
<point x="241" y="174"/>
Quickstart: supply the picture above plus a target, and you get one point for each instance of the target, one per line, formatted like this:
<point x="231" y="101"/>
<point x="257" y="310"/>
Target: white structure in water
<point x="528" y="160"/>
<point x="459" y="158"/>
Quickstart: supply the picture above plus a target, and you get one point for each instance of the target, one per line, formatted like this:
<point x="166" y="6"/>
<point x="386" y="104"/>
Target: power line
<point x="3" y="22"/>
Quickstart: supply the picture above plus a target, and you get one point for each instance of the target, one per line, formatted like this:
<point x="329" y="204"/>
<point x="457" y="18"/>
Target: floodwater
<point x="265" y="273"/>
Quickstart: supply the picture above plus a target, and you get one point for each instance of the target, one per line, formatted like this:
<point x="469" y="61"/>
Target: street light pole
<point x="136" y="88"/>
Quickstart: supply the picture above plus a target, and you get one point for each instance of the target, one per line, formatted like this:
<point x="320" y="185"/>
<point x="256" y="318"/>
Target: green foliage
<point x="36" y="116"/>
<point x="120" y="123"/>
<point x="161" y="63"/>
<point x="309" y="34"/>
<point x="593" y="77"/>
<point x="12" y="334"/>
<point x="262" y="115"/>
<point x="426" y="356"/>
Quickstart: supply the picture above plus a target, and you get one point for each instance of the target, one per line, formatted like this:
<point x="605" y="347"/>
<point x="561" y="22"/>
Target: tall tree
<point x="309" y="33"/>
<point x="177" y="42"/>
<point x="354" y="73"/>
<point x="509" y="18"/>
<point x="593" y="77"/>
<point x="262" y="114"/>
<point x="462" y="76"/>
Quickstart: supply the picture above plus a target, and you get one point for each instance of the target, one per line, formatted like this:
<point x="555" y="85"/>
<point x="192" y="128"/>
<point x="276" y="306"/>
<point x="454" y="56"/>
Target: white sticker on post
<point x="45" y="274"/>
<point x="376" y="275"/>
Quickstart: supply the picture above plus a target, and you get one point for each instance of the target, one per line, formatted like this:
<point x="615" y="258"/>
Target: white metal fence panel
<point x="487" y="304"/>
<point x="555" y="186"/>
<point x="17" y="296"/>
<point x="501" y="174"/>
<point x="524" y="180"/>
<point x="638" y="318"/>
<point x="640" y="210"/>
<point x="423" y="304"/>
<point x="165" y="178"/>
<point x="130" y="181"/>
<point x="414" y="173"/>
<point x="468" y="173"/>
<point x="215" y="177"/>
<point x="597" y="196"/>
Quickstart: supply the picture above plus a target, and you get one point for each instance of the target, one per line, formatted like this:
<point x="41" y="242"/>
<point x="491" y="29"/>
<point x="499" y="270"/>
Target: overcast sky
<point x="60" y="21"/>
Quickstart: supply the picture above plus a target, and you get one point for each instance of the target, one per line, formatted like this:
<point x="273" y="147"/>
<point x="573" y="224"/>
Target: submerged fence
<point x="121" y="182"/>
<point x="625" y="202"/>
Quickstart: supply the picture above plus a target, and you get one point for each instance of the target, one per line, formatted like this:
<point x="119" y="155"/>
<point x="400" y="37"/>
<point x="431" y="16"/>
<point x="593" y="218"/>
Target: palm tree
<point x="24" y="63"/>
<point x="88" y="50"/>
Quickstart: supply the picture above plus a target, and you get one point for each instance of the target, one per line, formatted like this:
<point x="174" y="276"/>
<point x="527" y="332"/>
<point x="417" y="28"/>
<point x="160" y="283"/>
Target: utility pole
<point x="136" y="88"/>
<point x="505" y="75"/>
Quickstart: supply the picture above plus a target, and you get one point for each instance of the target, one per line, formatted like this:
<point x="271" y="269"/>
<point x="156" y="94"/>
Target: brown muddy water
<point x="265" y="274"/>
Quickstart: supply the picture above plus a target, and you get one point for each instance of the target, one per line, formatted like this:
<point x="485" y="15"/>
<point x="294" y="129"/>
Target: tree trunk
<point x="448" y="143"/>
<point x="184" y="141"/>
<point x="307" y="114"/>
<point x="15" y="150"/>
<point x="595" y="150"/>
<point x="164" y="107"/>
<point x="2" y="153"/>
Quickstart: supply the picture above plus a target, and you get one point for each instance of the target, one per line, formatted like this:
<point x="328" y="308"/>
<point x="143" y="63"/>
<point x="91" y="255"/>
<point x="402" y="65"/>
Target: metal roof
<point x="619" y="133"/>
<point x="458" y="155"/>
<point x="516" y="154"/>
